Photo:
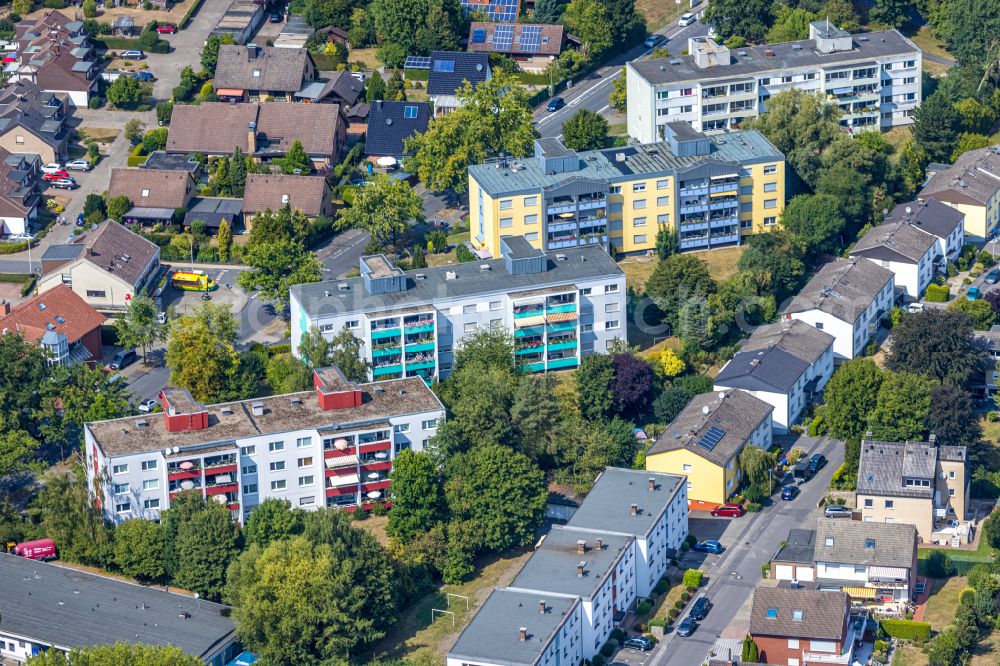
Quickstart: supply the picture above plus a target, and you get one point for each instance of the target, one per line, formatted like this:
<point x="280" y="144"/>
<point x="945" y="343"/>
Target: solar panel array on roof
<point x="495" y="10"/>
<point x="417" y="62"/>
<point x="503" y="37"/>
<point x="531" y="38"/>
<point x="712" y="437"/>
<point x="478" y="36"/>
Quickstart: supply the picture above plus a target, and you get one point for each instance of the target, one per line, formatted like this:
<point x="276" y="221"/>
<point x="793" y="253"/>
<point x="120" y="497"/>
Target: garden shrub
<point x="662" y="585"/>
<point x="685" y="596"/>
<point x="690" y="539"/>
<point x="693" y="578"/>
<point x="672" y="614"/>
<point x="644" y="608"/>
<point x="907" y="630"/>
<point x="607" y="649"/>
<point x="937" y="293"/>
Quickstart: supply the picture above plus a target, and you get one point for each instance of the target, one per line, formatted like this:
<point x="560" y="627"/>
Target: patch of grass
<point x="941" y="605"/>
<point x="659" y="12"/>
<point x="366" y="56"/>
<point x="441" y="258"/>
<point x="376" y="526"/>
<point x="722" y="262"/>
<point x="618" y="129"/>
<point x="935" y="69"/>
<point x="909" y="655"/>
<point x="99" y="134"/>
<point x="981" y="554"/>
<point x="928" y="43"/>
<point x="897" y="136"/>
<point x="991" y="430"/>
<point x="637" y="271"/>
<point x="988" y="652"/>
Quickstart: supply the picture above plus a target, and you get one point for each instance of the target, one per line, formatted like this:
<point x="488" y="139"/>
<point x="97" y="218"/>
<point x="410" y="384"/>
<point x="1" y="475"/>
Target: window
<point x="123" y="507"/>
<point x="530" y="201"/>
<point x="770" y="203"/>
<point x="797" y="615"/>
<point x="120" y="469"/>
<point x="250" y="489"/>
<point x="870" y="544"/>
<point x="772" y="613"/>
<point x="770" y="221"/>
<point x="325" y="328"/>
<point x="639" y="187"/>
<point x="278" y="485"/>
<point x="119" y="488"/>
<point x="686" y="467"/>
<point x="506" y="221"/>
<point x="787" y="79"/>
<point x="610" y="288"/>
<point x="638" y="204"/>
<point x="793" y="643"/>
<point x="869" y="503"/>
<point x="829" y="541"/>
<point x="951" y="492"/>
<point x="533" y="236"/>
<point x="531" y="219"/>
<point x="151" y="503"/>
<point x="246" y="470"/>
<point x="810" y="76"/>
<point x="770" y="187"/>
<point x="303" y="442"/>
<point x="639" y="222"/>
<point x="889" y="504"/>
<point x="586" y="328"/>
<point x="401" y="427"/>
<point x="278" y="466"/>
<point x="19" y="139"/>
<point x="307" y="501"/>
<point x="506" y="204"/>
<point x="663" y="184"/>
<point x="274" y="447"/>
<point x="910" y="63"/>
<point x="470" y="327"/>
<point x="770" y="169"/>
<point x="951" y="474"/>
<point x="144" y="194"/>
<point x="248" y="450"/>
<point x="612" y="307"/>
<point x="306" y="481"/>
<point x="429" y="424"/>
<point x="96" y="293"/>
<point x="612" y="325"/>
<point x="662" y="201"/>
<point x="615" y="189"/>
<point x="819" y="326"/>
<point x="150" y="465"/>
<point x="663" y="219"/>
<point x="151" y="484"/>
<point x="305" y="462"/>
<point x="409" y="111"/>
<point x="352" y="323"/>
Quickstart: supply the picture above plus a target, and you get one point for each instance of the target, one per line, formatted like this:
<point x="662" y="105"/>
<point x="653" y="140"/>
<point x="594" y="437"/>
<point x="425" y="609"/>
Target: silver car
<point x="837" y="511"/>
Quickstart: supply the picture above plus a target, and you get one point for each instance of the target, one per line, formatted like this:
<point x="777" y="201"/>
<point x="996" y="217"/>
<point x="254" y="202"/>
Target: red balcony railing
<point x="222" y="489"/>
<point x="221" y="469"/>
<point x="181" y="474"/>
<point x="375" y="446"/>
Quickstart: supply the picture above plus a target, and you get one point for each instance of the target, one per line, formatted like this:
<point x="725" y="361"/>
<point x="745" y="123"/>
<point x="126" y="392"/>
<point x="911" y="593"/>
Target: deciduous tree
<point x="139" y="549"/>
<point x="588" y="20"/>
<point x="385" y="208"/>
<point x="118" y="206"/>
<point x="140" y="327"/>
<point x="851" y="396"/>
<point x="119" y="654"/>
<point x="296" y="160"/>
<point x="199" y="360"/>
<point x="126" y="92"/>
<point x="953" y="418"/>
<point x="594" y="380"/>
<point x="901" y="409"/>
<point x="676" y="281"/>
<point x="585" y="130"/>
<point x="345" y="353"/>
<point x="938" y="344"/>
<point x="417" y="496"/>
<point x="71" y="519"/>
<point x="618" y="98"/>
<point x="210" y="52"/>
<point x="206" y="544"/>
<point x="277" y="266"/>
<point x="272" y="520"/>
<point x="632" y="384"/>
<point x="746" y="18"/>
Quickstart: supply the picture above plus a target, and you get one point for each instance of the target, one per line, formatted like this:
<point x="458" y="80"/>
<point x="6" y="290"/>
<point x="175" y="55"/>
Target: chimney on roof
<point x="633" y="510"/>
<point x="541" y="606"/>
<point x="932" y="439"/>
<point x="868" y="437"/>
<point x="579" y="568"/>
<point x="252" y="51"/>
<point x="599" y="543"/>
<point x="651" y="484"/>
<point x="252" y="138"/>
<point x="522" y="634"/>
<point x="5" y="307"/>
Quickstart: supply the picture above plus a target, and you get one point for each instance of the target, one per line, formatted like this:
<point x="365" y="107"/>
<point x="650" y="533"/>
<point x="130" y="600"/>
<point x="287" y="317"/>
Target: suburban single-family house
<point x="213" y="211"/>
<point x="268" y="191"/>
<point x="795" y="559"/>
<point x="945" y="223"/>
<point x="341" y="88"/>
<point x="868" y="561"/>
<point x="60" y="322"/>
<point x="970" y="185"/>
<point x="705" y="440"/>
<point x="266" y="131"/>
<point x="156" y="194"/>
<point x="33" y="121"/>
<point x="785" y="364"/>
<point x="19" y="197"/>
<point x="846" y="298"/>
<point x="450" y="70"/>
<point x="162" y="160"/>
<point x="533" y="46"/>
<point x="107" y="267"/>
<point x="917" y="483"/>
<point x="390" y="123"/>
<point x="264" y="73"/>
<point x="56" y="54"/>
<point x="906" y="250"/>
<point x="801" y="626"/>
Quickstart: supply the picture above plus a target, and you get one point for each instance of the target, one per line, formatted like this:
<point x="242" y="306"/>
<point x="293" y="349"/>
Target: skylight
<point x="772" y="613"/>
<point x="444" y="66"/>
<point x="409" y="111"/>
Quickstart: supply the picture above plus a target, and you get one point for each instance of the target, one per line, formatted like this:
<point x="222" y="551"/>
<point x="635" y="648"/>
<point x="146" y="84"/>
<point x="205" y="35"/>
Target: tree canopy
<point x="119" y="654"/>
<point x="585" y="130"/>
<point x="938" y="344"/>
<point x="385" y="208"/>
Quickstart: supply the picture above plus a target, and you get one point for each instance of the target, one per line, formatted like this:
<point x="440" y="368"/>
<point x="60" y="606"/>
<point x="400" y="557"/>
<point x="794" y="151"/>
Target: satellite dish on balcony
<point x="374" y="494"/>
<point x="341" y="444"/>
<point x="187" y="485"/>
<point x="221" y="499"/>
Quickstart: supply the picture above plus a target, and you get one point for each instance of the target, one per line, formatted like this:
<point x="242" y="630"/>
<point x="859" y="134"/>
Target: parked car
<point x="64" y="183"/>
<point x="914" y="308"/>
<point x="638" y="643"/>
<point x="653" y="41"/>
<point x="133" y="54"/>
<point x="555" y="104"/>
<point x="802" y="473"/>
<point x="166" y="29"/>
<point x="687" y="626"/>
<point x="147" y="405"/>
<point x="123" y="359"/>
<point x="20" y="238"/>
<point x="789" y="493"/>
<point x="49" y="176"/>
<point x="817" y="462"/>
<point x="144" y="76"/>
<point x="80" y="220"/>
<point x="699" y="610"/>
<point x="993" y="276"/>
<point x="972" y="294"/>
<point x="78" y="165"/>
<point x="837" y="511"/>
<point x="734" y="510"/>
<point x="40" y="549"/>
<point x="275" y="17"/>
<point x="686" y="19"/>
<point x="52" y="168"/>
<point x="10" y="57"/>
<point x="708" y="546"/>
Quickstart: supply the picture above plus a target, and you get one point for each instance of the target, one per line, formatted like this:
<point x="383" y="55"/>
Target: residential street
<point x="185" y="48"/>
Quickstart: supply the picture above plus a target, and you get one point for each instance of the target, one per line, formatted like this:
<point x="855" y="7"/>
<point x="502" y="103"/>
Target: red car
<point x="10" y="57"/>
<point x="166" y="29"/>
<point x="54" y="175"/>
<point x="733" y="510"/>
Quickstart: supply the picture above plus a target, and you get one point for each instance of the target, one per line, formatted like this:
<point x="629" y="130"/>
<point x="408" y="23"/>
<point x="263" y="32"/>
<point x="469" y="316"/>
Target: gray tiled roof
<point x="277" y="69"/>
<point x="471" y="67"/>
<point x="388" y="126"/>
<point x="793" y="336"/>
<point x="798" y="548"/>
<point x="493" y="635"/>
<point x="847" y="541"/>
<point x="952" y="453"/>
<point x="607" y="507"/>
<point x="778" y="57"/>
<point x="974" y="178"/>
<point x="843" y="288"/>
<point x="553" y="565"/>
<point x="930" y="215"/>
<point x="895" y="241"/>
<point x="773" y="370"/>
<point x="70" y="608"/>
<point x="883" y="466"/>
<point x="823" y="613"/>
<point x="738" y="414"/>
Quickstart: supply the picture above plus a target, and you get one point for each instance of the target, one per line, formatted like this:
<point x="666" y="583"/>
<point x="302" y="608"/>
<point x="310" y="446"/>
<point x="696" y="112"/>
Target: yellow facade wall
<point x="706" y="480"/>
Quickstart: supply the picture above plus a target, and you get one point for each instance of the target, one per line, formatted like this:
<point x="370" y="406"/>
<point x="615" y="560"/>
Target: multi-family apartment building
<point x="873" y="78"/>
<point x="908" y="251"/>
<point x="846" y="298"/>
<point x="332" y="447"/>
<point x="796" y="626"/>
<point x="583" y="577"/>
<point x="713" y="191"/>
<point x="560" y="307"/>
<point x="917" y="483"/>
<point x="971" y="186"/>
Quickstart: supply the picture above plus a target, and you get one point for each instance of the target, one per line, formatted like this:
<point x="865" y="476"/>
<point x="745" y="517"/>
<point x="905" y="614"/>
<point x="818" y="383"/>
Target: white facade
<point x="799" y="572"/>
<point x="912" y="276"/>
<point x="101" y="289"/>
<point x="850" y="338"/>
<point x="17" y="225"/>
<point x="715" y="89"/>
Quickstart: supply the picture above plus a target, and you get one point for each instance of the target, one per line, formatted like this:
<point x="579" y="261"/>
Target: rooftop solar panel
<point x="417" y="62"/>
<point x="712" y="437"/>
<point x="531" y="38"/>
<point x="503" y="37"/>
<point x="478" y="36"/>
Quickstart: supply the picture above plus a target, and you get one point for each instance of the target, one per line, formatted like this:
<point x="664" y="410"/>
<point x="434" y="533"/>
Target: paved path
<point x="185" y="48"/>
<point x="941" y="60"/>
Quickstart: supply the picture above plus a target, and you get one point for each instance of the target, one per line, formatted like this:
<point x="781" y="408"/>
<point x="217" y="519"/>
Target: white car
<point x="914" y="308"/>
<point x="78" y="165"/>
<point x="22" y="237"/>
<point x="686" y="19"/>
<point x="52" y="168"/>
<point x="147" y="405"/>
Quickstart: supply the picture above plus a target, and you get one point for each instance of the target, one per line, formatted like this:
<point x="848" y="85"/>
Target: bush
<point x="672" y="614"/>
<point x="678" y="604"/>
<point x="952" y="270"/>
<point x="693" y="578"/>
<point x="95" y="102"/>
<point x="607" y="649"/>
<point x="13" y="248"/>
<point x="690" y="540"/>
<point x="685" y="595"/>
<point x="618" y="634"/>
<point x="463" y="253"/>
<point x="765" y="569"/>
<point x="985" y="258"/>
<point x="54" y="4"/>
<point x="907" y="630"/>
<point x="976" y="270"/>
<point x="685" y="546"/>
<point x="643" y="609"/>
<point x="658" y="622"/>
<point x="598" y="660"/>
<point x="939" y="565"/>
<point x="662" y="585"/>
<point x="753" y="507"/>
<point x="937" y="293"/>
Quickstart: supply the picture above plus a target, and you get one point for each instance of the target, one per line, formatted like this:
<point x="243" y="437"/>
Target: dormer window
<point x="144" y="193"/>
<point x="284" y="198"/>
<point x="772" y="613"/>
<point x="869" y="544"/>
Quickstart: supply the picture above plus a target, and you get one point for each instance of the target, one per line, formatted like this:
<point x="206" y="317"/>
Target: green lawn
<point x="941" y="605"/>
<point x="981" y="554"/>
<point x="660" y="12"/>
<point x="928" y="43"/>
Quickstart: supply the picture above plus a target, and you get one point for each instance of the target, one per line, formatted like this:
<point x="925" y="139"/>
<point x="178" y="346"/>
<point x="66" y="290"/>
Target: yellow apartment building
<point x="714" y="190"/>
<point x="971" y="185"/>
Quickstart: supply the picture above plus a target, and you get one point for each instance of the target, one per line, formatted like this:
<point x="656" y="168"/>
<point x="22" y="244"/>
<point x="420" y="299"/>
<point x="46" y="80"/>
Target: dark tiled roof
<point x="213" y="210"/>
<point x="17" y="185"/>
<point x="110" y="242"/>
<point x="772" y="370"/>
<point x="884" y="465"/>
<point x="548" y="42"/>
<point x="23" y="104"/>
<point x="823" y="613"/>
<point x="160" y="159"/>
<point x="608" y="504"/>
<point x="737" y="414"/>
<point x="848" y="541"/>
<point x="798" y="548"/>
<point x="793" y="336"/>
<point x="931" y="215"/>
<point x="276" y="69"/>
<point x="553" y="565"/>
<point x="42" y="313"/>
<point x="974" y="178"/>
<point x="388" y="126"/>
<point x="273" y="191"/>
<point x="162" y="188"/>
<point x="450" y="68"/>
<point x="895" y="241"/>
<point x="843" y="288"/>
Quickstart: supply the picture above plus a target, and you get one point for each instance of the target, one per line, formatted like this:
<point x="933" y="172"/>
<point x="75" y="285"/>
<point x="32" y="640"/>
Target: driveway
<point x="185" y="48"/>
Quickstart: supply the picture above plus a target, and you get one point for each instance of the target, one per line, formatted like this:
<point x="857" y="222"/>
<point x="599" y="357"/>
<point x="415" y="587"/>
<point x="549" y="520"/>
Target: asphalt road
<point x="749" y="541"/>
<point x="592" y="93"/>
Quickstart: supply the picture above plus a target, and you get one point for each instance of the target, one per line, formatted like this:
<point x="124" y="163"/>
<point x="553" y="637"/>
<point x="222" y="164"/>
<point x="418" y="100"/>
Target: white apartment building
<point x="846" y="298"/>
<point x="905" y="250"/>
<point x="874" y="78"/>
<point x="560" y="307"/>
<point x="943" y="222"/>
<point x="333" y="447"/>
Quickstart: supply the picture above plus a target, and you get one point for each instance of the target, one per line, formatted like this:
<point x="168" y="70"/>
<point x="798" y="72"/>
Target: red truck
<point x="41" y="549"/>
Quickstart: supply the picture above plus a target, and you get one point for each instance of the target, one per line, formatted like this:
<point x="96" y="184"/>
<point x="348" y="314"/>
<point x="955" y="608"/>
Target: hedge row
<point x="16" y="278"/>
<point x="29" y="286"/>
<point x="189" y="14"/>
<point x="908" y="630"/>
<point x="937" y="293"/>
<point x="13" y="248"/>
